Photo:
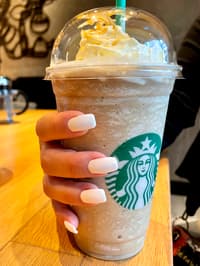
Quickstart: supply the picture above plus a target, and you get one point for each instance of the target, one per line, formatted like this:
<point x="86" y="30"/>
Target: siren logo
<point x="132" y="184"/>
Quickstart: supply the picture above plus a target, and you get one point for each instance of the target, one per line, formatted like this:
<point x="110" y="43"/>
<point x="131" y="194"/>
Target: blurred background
<point x="27" y="32"/>
<point x="28" y="27"/>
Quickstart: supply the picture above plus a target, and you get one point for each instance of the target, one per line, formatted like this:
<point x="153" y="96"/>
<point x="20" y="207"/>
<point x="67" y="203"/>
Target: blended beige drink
<point x="125" y="82"/>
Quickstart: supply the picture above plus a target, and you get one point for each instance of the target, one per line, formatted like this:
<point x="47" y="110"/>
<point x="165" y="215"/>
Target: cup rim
<point x="79" y="70"/>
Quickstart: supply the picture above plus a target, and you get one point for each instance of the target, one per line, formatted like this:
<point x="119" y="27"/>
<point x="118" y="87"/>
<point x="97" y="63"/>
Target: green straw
<point x="121" y="4"/>
<point x="119" y="18"/>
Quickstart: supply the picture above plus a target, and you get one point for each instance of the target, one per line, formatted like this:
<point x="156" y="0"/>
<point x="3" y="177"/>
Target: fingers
<point x="72" y="192"/>
<point x="62" y="166"/>
<point x="57" y="161"/>
<point x="72" y="164"/>
<point x="63" y="125"/>
<point x="66" y="216"/>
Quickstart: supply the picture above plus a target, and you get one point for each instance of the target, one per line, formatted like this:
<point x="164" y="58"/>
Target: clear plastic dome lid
<point x="110" y="36"/>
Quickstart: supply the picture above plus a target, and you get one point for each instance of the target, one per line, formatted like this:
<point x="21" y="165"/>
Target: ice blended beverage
<point x="120" y="66"/>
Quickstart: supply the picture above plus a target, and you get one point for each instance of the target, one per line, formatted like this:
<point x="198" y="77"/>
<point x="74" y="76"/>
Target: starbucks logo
<point x="132" y="184"/>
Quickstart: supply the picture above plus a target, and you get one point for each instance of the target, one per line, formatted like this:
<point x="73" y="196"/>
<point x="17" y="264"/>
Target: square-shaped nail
<point x="94" y="196"/>
<point x="103" y="165"/>
<point x="82" y="122"/>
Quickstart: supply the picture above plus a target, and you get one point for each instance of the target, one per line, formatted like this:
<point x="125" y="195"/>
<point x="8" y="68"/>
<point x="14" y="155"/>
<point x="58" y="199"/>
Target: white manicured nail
<point x="70" y="227"/>
<point x="103" y="165"/>
<point x="82" y="122"/>
<point x="93" y="196"/>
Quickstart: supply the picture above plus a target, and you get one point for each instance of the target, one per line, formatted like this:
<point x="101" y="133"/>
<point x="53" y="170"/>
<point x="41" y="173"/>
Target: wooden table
<point x="29" y="234"/>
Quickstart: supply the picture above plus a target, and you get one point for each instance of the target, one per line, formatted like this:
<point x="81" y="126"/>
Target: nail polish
<point x="82" y="122"/>
<point x="94" y="196"/>
<point x="70" y="227"/>
<point x="103" y="165"/>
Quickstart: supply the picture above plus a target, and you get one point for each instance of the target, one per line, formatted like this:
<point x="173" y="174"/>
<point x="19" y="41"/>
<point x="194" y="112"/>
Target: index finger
<point x="63" y="125"/>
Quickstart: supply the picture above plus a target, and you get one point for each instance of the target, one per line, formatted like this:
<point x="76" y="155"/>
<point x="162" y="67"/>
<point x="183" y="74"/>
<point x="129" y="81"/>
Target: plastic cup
<point x="129" y="100"/>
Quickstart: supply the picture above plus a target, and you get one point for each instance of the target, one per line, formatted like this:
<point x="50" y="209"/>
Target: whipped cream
<point x="108" y="41"/>
<point x="107" y="50"/>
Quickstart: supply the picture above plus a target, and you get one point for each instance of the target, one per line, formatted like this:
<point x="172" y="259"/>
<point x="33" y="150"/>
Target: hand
<point x="63" y="168"/>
